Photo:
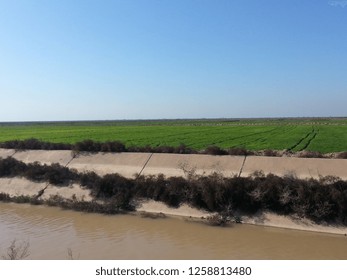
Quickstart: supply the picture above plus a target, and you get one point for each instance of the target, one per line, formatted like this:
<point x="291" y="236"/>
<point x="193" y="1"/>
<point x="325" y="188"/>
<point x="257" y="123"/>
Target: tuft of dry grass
<point x="17" y="251"/>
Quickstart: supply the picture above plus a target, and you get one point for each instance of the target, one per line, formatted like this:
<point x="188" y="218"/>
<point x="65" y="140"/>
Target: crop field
<point x="321" y="135"/>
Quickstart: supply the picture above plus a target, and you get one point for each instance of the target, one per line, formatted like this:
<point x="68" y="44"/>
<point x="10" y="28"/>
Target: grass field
<point x="321" y="135"/>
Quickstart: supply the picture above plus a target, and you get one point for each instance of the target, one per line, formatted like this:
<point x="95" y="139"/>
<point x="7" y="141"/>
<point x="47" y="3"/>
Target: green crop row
<point x="321" y="135"/>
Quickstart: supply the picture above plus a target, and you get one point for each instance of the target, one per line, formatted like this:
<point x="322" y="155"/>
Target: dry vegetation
<point x="17" y="251"/>
<point x="91" y="146"/>
<point x="320" y="200"/>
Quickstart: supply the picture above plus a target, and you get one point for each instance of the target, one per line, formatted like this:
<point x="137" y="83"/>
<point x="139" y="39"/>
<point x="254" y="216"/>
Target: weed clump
<point x="310" y="154"/>
<point x="34" y="144"/>
<point x="94" y="146"/>
<point x="17" y="251"/>
<point x="240" y="152"/>
<point x="215" y="150"/>
<point x="342" y="155"/>
<point x="271" y="153"/>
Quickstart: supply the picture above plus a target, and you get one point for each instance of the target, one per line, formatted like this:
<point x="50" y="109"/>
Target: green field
<point x="322" y="135"/>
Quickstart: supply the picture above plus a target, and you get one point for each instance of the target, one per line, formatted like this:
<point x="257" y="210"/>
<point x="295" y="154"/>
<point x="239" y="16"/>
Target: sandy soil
<point x="4" y="153"/>
<point x="184" y="210"/>
<point x="262" y="219"/>
<point x="125" y="164"/>
<point x="275" y="220"/>
<point x="67" y="192"/>
<point x="130" y="164"/>
<point x="179" y="165"/>
<point x="44" y="157"/>
<point x="20" y="186"/>
<point x="299" y="167"/>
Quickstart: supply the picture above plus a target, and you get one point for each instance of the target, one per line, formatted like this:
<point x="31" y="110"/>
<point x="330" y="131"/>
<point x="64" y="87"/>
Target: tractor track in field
<point x="310" y="140"/>
<point x="264" y="139"/>
<point x="240" y="137"/>
<point x="203" y="142"/>
<point x="309" y="137"/>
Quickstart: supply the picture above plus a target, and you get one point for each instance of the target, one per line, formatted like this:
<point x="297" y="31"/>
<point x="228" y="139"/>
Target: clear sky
<point x="153" y="59"/>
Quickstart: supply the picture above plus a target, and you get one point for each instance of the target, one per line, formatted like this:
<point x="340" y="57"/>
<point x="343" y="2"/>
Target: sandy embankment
<point x="131" y="164"/>
<point x="44" y="157"/>
<point x="4" y="153"/>
<point x="181" y="165"/>
<point x="261" y="219"/>
<point x="23" y="187"/>
<point x="125" y="164"/>
<point x="300" y="167"/>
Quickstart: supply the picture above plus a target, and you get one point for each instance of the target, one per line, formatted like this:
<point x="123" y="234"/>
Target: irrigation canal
<point x="51" y="232"/>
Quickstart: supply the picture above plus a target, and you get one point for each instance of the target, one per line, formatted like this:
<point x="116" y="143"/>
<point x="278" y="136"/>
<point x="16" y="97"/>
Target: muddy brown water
<point x="52" y="231"/>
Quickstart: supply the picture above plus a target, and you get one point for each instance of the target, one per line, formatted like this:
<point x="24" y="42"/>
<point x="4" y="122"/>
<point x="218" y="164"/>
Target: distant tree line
<point x="320" y="200"/>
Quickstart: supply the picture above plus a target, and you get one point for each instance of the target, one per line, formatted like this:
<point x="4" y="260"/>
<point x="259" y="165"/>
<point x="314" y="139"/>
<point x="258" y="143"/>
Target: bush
<point x="10" y="167"/>
<point x="87" y="146"/>
<point x="239" y="152"/>
<point x="342" y="155"/>
<point x="310" y="154"/>
<point x="90" y="180"/>
<point x="215" y="150"/>
<point x="270" y="153"/>
<point x="34" y="144"/>
<point x="112" y="146"/>
<point x="218" y="220"/>
<point x="54" y="174"/>
<point x="4" y="197"/>
<point x="93" y="146"/>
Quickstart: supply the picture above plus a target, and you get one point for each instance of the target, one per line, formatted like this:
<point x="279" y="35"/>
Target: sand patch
<point x="275" y="220"/>
<point x="20" y="186"/>
<point x="69" y="192"/>
<point x="4" y="153"/>
<point x="300" y="167"/>
<point x="179" y="165"/>
<point x="184" y="210"/>
<point x="44" y="157"/>
<point x="125" y="164"/>
<point x="261" y="219"/>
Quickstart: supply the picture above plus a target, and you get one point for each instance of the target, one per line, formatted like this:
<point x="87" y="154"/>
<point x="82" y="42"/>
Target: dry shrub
<point x="17" y="251"/>
<point x="10" y="167"/>
<point x="152" y="215"/>
<point x="342" y="155"/>
<point x="217" y="220"/>
<point x="239" y="152"/>
<point x="34" y="144"/>
<point x="310" y="154"/>
<point x="215" y="150"/>
<point x="271" y="153"/>
<point x="94" y="146"/>
<point x="320" y="200"/>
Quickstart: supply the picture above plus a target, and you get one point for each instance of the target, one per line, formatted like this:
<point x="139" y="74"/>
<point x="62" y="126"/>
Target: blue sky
<point x="153" y="59"/>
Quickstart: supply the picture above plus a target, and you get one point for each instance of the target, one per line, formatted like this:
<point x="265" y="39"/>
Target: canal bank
<point x="170" y="165"/>
<point x="131" y="165"/>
